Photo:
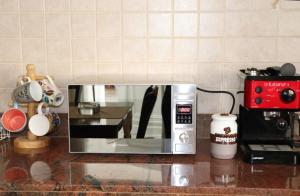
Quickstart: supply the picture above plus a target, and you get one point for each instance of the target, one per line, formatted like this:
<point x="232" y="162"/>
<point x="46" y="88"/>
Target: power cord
<point x="224" y="92"/>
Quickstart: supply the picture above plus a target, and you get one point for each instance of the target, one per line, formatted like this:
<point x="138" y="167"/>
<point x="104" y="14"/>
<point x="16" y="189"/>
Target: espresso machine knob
<point x="287" y="95"/>
<point x="281" y="124"/>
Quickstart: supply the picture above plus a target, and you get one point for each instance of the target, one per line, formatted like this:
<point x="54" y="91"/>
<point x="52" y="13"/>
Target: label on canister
<point x="223" y="138"/>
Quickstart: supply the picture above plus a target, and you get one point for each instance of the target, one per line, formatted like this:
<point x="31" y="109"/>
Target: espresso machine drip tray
<point x="269" y="153"/>
<point x="270" y="147"/>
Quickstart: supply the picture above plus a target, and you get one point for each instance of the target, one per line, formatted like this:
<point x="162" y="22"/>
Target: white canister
<point x="223" y="136"/>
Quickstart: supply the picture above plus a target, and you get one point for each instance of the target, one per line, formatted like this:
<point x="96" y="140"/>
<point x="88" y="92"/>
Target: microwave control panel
<point x="183" y="126"/>
<point x="184" y="114"/>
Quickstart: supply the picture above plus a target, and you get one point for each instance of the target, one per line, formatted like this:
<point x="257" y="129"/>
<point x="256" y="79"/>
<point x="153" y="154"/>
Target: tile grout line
<point x="176" y="37"/>
<point x="98" y="68"/>
<point x="162" y="11"/>
<point x="173" y="41"/>
<point x="122" y="39"/>
<point x="277" y="31"/>
<point x="198" y="44"/>
<point x="70" y="41"/>
<point x="147" y="40"/>
<point x="21" y="61"/>
<point x="45" y="37"/>
<point x="223" y="59"/>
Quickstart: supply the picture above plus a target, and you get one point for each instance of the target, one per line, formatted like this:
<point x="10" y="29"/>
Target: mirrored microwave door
<point x="145" y="110"/>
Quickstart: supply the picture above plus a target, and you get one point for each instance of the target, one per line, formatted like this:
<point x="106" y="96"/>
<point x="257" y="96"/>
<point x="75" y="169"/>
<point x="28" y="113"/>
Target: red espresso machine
<point x="267" y="118"/>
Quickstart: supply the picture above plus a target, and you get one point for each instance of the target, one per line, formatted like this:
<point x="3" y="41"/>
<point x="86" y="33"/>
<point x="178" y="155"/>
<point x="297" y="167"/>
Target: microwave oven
<point x="132" y="118"/>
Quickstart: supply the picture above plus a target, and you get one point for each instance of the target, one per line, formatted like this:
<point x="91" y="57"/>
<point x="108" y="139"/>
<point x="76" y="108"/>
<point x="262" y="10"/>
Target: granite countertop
<point x="55" y="169"/>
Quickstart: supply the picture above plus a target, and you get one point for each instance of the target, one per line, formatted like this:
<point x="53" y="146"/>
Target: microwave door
<point x="120" y="118"/>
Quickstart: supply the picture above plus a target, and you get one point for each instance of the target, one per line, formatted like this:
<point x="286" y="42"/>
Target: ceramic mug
<point x="51" y="94"/>
<point x="14" y="120"/>
<point x="39" y="124"/>
<point x="54" y="121"/>
<point x="27" y="91"/>
<point x="44" y="121"/>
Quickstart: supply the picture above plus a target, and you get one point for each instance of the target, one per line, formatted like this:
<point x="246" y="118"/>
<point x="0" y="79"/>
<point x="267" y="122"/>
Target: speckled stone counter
<point x="54" y="170"/>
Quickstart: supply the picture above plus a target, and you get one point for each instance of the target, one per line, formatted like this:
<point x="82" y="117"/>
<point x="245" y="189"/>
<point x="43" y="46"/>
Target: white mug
<point x="27" y="91"/>
<point x="43" y="122"/>
<point x="39" y="124"/>
<point x="51" y="94"/>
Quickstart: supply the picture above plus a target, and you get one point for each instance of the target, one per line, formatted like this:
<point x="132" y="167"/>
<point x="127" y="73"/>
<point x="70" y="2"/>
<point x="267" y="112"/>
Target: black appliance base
<point x="266" y="153"/>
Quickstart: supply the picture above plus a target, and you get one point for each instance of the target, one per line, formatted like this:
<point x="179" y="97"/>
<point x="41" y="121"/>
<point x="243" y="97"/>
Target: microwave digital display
<point x="184" y="114"/>
<point x="184" y="109"/>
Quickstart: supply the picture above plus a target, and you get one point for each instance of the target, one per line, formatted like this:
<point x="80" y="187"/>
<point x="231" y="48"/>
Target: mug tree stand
<point x="31" y="141"/>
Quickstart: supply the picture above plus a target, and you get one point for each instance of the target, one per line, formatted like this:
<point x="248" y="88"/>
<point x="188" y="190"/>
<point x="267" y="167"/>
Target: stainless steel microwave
<point x="132" y="119"/>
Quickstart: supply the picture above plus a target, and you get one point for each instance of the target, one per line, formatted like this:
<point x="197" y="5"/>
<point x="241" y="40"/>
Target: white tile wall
<point x="113" y="53"/>
<point x="33" y="50"/>
<point x="211" y="50"/>
<point x="31" y="5"/>
<point x="159" y="5"/>
<point x="212" y="5"/>
<point x="58" y="50"/>
<point x="160" y="50"/>
<point x="83" y="24"/>
<point x="289" y="23"/>
<point x="86" y="5"/>
<point x="239" y="4"/>
<point x="8" y="6"/>
<point x="57" y="5"/>
<point x="58" y="25"/>
<point x="134" y="49"/>
<point x="185" y="5"/>
<point x="33" y="24"/>
<point x="185" y="24"/>
<point x="14" y="70"/>
<point x="165" y="72"/>
<point x="83" y="50"/>
<point x="134" y="25"/>
<point x="9" y="25"/>
<point x="10" y="50"/>
<point x="130" y="41"/>
<point x="134" y="72"/>
<point x="185" y="50"/>
<point x="109" y="5"/>
<point x="160" y="24"/>
<point x="211" y="24"/>
<point x="87" y="75"/>
<point x="134" y="5"/>
<point x="108" y="24"/>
